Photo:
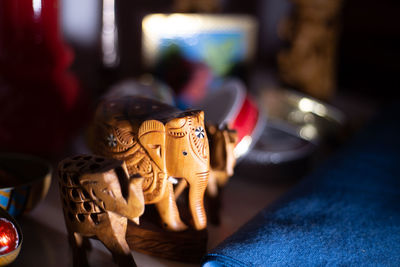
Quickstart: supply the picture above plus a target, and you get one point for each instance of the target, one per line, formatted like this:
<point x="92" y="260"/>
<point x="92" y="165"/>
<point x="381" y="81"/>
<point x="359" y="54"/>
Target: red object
<point x="38" y="97"/>
<point x="231" y="105"/>
<point x="8" y="236"/>
<point x="246" y="120"/>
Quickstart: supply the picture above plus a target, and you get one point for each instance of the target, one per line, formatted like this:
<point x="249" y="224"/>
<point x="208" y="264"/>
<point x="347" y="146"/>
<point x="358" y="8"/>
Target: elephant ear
<point x="151" y="136"/>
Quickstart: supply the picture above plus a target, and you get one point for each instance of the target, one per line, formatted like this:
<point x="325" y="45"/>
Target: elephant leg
<point x="114" y="240"/>
<point x="169" y="212"/>
<point x="79" y="245"/>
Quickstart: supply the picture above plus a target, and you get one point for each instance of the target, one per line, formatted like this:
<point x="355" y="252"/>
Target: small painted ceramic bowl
<point x="24" y="181"/>
<point x="10" y="238"/>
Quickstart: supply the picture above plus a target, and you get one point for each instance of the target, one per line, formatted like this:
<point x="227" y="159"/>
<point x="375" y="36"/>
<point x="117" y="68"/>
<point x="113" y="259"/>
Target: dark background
<point x="369" y="55"/>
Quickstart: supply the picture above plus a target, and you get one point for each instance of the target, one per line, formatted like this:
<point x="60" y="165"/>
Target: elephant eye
<point x="199" y="132"/>
<point x="184" y="153"/>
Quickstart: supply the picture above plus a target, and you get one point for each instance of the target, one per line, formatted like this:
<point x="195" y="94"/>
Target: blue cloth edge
<point x="215" y="258"/>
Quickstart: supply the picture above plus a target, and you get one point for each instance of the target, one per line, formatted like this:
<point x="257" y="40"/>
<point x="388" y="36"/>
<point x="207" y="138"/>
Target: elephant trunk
<point x="196" y="199"/>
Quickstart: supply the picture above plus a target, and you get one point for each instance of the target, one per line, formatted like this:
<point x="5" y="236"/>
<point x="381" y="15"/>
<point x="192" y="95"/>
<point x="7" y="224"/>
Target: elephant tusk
<point x="179" y="189"/>
<point x="172" y="180"/>
<point x="136" y="220"/>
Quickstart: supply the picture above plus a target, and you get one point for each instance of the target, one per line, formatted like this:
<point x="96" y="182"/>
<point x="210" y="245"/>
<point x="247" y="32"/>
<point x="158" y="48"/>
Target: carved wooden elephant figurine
<point x="222" y="142"/>
<point x="160" y="143"/>
<point x="98" y="198"/>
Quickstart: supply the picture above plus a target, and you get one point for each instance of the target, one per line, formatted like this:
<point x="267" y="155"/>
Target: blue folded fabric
<point x="346" y="213"/>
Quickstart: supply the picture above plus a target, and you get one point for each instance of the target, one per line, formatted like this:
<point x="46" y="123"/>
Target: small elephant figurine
<point x="222" y="158"/>
<point x="98" y="198"/>
<point x="161" y="144"/>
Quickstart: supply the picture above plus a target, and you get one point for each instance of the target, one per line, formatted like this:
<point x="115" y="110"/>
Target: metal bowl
<point x="8" y="258"/>
<point x="301" y="115"/>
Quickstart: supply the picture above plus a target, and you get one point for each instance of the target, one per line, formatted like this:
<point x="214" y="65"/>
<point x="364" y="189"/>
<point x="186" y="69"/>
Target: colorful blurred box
<point x="220" y="41"/>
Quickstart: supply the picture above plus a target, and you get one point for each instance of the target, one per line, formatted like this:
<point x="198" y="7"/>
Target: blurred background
<point x="367" y="54"/>
<point x="307" y="74"/>
<point x="344" y="53"/>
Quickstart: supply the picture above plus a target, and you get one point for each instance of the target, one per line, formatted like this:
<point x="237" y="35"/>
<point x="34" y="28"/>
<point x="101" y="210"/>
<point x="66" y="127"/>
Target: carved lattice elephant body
<point x="98" y="198"/>
<point x="161" y="144"/>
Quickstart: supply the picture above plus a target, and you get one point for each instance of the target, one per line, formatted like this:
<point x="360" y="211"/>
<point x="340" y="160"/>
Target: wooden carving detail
<point x="118" y="141"/>
<point x="161" y="144"/>
<point x="98" y="199"/>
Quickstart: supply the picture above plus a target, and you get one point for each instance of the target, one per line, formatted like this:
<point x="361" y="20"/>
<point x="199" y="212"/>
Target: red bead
<point x="8" y="236"/>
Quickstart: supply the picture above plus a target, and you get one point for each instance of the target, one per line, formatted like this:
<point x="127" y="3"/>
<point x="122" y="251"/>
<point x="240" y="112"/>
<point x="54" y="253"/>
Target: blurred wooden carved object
<point x="309" y="62"/>
<point x="222" y="159"/>
<point x="163" y="145"/>
<point x="222" y="163"/>
<point x="204" y="6"/>
<point x="98" y="198"/>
